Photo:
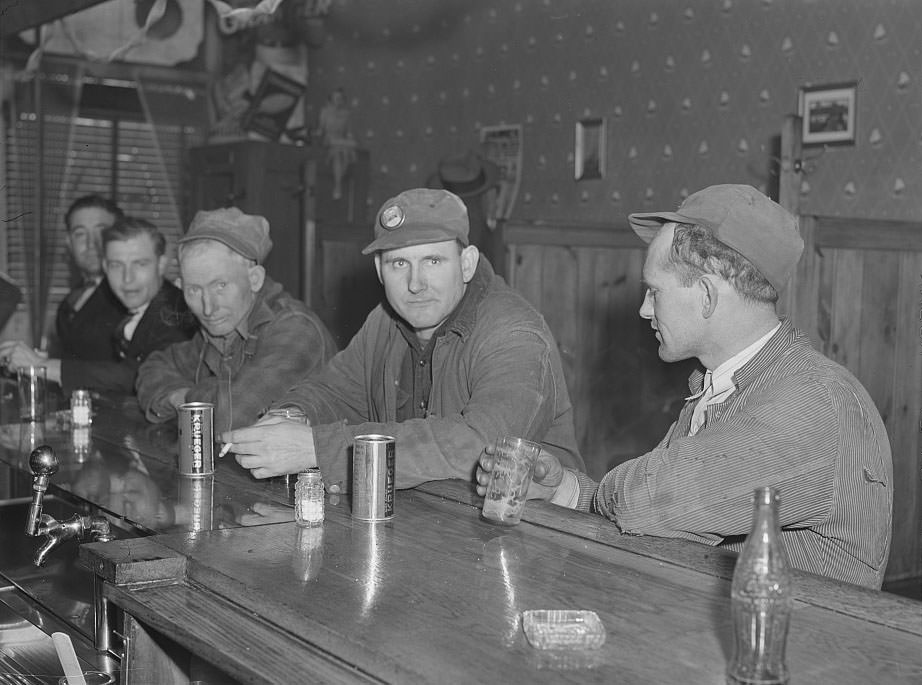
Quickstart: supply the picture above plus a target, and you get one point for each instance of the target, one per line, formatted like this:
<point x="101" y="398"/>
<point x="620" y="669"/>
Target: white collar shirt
<point x="718" y="384"/>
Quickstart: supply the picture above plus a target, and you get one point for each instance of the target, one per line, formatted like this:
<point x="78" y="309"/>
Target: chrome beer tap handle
<point x="43" y="464"/>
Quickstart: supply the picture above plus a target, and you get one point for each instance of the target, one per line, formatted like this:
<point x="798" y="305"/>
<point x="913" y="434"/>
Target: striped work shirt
<point x="797" y="421"/>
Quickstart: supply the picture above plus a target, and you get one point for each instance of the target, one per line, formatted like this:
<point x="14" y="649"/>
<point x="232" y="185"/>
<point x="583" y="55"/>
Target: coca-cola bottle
<point x="761" y="599"/>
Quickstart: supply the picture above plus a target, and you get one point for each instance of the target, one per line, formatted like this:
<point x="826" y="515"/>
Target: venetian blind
<point x="115" y="152"/>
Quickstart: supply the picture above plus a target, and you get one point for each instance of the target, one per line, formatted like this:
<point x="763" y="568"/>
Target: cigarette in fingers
<point x="225" y="449"/>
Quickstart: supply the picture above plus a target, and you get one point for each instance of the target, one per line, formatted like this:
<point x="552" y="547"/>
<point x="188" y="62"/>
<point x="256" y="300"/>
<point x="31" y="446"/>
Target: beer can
<point x="196" y="439"/>
<point x="373" y="477"/>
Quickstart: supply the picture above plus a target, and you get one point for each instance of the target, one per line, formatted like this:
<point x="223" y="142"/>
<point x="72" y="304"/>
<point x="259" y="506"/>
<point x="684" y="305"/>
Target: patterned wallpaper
<point x="693" y="92"/>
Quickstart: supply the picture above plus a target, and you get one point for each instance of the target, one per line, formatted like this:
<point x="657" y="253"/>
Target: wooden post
<point x="789" y="196"/>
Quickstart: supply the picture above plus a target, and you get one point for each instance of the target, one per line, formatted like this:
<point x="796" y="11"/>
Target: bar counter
<point x="226" y="579"/>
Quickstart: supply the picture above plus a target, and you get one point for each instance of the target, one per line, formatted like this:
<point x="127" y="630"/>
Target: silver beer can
<point x="373" y="477"/>
<point x="196" y="439"/>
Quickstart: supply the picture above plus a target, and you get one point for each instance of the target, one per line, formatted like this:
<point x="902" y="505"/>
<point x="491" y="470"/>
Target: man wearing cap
<point x="255" y="338"/>
<point x="768" y="410"/>
<point x="452" y="361"/>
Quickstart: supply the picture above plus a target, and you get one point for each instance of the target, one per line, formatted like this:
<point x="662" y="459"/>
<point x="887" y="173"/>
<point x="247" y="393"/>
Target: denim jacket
<point x="284" y="340"/>
<point x="496" y="371"/>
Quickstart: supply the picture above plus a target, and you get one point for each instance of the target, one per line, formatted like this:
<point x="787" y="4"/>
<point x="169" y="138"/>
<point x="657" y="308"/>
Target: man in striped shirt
<point x="767" y="410"/>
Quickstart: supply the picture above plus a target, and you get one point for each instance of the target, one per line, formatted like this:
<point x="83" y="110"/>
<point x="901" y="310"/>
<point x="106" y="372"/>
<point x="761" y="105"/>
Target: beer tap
<point x="44" y="464"/>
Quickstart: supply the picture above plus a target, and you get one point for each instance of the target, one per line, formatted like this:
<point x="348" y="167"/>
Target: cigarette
<point x="225" y="449"/>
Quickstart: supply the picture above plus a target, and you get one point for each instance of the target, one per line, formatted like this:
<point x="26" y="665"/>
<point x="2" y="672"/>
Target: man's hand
<point x="177" y="398"/>
<point x="547" y="477"/>
<point x="15" y="355"/>
<point x="273" y="447"/>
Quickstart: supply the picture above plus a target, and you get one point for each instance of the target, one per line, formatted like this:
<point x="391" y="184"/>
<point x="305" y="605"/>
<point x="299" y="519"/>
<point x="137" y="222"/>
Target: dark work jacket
<point x="87" y="334"/>
<point x="166" y="321"/>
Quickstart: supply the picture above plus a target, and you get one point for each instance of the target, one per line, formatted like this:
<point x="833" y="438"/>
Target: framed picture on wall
<point x="589" y="157"/>
<point x="272" y="105"/>
<point x="828" y="114"/>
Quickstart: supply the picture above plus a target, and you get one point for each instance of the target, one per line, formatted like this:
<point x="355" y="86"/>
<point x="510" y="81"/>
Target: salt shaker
<point x="81" y="409"/>
<point x="309" y="498"/>
<point x="760" y="598"/>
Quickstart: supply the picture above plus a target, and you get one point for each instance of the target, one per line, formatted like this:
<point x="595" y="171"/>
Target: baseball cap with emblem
<point x="741" y="217"/>
<point x="419" y="216"/>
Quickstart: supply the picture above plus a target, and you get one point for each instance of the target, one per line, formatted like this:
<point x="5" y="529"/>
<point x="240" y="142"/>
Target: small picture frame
<point x="589" y="157"/>
<point x="272" y="105"/>
<point x="828" y="114"/>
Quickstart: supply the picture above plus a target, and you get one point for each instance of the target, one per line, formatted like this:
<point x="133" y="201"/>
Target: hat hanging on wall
<point x="465" y="175"/>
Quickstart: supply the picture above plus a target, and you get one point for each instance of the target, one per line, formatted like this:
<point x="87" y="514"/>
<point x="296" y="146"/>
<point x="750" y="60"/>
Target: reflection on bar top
<point x="128" y="468"/>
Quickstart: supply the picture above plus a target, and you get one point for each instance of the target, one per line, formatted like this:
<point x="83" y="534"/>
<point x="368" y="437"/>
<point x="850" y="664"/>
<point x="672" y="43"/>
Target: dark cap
<point x="419" y="216"/>
<point x="245" y="234"/>
<point x="741" y="217"/>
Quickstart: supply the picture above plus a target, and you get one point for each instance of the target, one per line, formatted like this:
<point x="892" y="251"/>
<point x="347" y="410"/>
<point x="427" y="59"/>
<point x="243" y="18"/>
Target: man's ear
<point x="257" y="276"/>
<point x="708" y="291"/>
<point x="162" y="262"/>
<point x="378" y="266"/>
<point x="470" y="257"/>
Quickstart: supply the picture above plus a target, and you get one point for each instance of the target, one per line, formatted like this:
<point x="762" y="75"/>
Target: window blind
<point x="139" y="163"/>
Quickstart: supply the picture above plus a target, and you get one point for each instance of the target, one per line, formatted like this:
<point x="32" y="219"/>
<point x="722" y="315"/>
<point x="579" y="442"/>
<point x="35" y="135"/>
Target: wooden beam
<point x="568" y="234"/>
<point x="850" y="233"/>
<point x="19" y="15"/>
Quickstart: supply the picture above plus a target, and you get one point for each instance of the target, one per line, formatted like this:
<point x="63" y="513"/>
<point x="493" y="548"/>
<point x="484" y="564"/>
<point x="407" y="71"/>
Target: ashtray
<point x="563" y="629"/>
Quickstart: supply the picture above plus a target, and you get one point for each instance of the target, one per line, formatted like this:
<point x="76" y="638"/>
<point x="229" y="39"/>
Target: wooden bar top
<point x="437" y="593"/>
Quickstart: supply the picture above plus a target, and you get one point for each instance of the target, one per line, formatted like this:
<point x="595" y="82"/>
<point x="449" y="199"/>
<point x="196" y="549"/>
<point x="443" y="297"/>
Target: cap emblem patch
<point x="392" y="217"/>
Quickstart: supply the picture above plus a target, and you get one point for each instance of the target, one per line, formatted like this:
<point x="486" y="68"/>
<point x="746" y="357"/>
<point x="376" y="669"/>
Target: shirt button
<point x="422" y="362"/>
<point x="422" y="404"/>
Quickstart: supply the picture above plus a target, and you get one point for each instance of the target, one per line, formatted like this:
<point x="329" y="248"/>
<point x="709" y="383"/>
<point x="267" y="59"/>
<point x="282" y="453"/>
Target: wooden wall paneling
<point x="906" y="415"/>
<point x="878" y="316"/>
<point x="560" y="303"/>
<point x="588" y="340"/>
<point x="350" y="287"/>
<point x="616" y="384"/>
<point x="845" y="298"/>
<point x="529" y="274"/>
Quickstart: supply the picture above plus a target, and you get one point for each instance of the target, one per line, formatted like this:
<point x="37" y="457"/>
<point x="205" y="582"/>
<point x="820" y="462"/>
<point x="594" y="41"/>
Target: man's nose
<point x="208" y="305"/>
<point x="646" y="307"/>
<point x="417" y="281"/>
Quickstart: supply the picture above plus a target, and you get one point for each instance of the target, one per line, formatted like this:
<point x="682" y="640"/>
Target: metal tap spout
<point x="80" y="527"/>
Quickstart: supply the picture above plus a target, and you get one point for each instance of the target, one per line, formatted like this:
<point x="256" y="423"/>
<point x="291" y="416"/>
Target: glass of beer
<point x="513" y="467"/>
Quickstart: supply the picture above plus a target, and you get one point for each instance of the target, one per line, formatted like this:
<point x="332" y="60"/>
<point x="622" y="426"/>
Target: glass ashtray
<point x="563" y="629"/>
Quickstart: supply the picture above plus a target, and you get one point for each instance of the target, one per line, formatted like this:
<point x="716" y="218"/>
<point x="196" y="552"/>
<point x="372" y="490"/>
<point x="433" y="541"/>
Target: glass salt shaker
<point x="309" y="498"/>
<point x="81" y="409"/>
